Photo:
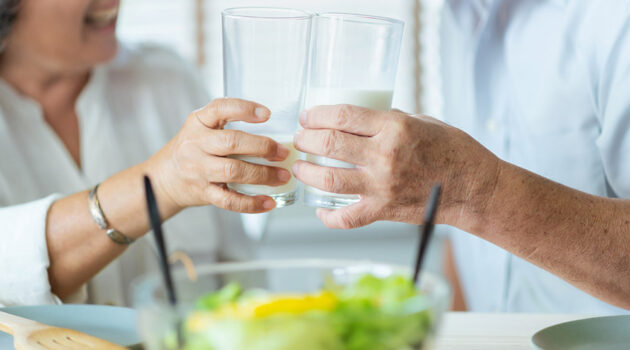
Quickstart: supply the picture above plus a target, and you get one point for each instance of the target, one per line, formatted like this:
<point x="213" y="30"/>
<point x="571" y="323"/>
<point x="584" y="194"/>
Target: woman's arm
<point x="191" y="170"/>
<point x="77" y="247"/>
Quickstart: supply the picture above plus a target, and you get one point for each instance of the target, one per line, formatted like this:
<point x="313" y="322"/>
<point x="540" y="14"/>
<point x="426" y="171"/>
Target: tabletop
<point x="486" y="331"/>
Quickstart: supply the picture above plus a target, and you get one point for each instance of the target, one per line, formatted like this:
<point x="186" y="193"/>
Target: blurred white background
<point x="193" y="29"/>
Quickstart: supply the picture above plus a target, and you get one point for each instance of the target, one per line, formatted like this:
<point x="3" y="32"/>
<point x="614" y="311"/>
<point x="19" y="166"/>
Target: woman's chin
<point x="107" y="50"/>
<point x="95" y="55"/>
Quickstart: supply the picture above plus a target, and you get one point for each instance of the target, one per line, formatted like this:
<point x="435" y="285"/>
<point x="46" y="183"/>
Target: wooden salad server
<point x="32" y="335"/>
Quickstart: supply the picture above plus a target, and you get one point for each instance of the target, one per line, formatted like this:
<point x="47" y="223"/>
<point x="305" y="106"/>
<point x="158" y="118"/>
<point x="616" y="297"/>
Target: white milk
<point x="288" y="188"/>
<point x="373" y="99"/>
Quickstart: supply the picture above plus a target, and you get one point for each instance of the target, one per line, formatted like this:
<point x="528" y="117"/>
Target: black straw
<point x="426" y="229"/>
<point x="156" y="226"/>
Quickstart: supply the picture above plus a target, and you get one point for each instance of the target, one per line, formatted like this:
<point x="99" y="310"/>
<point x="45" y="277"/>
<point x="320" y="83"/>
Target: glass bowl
<point x="411" y="327"/>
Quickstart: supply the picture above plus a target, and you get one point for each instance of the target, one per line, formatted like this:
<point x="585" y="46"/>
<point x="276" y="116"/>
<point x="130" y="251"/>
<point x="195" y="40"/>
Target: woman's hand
<point x="399" y="158"/>
<point x="193" y="168"/>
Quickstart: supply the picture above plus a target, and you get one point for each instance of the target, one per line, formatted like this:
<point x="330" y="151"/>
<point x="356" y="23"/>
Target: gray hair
<point x="8" y="12"/>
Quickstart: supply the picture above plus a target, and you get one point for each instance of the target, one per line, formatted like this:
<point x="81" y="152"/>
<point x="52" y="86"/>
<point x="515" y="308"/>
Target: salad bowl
<point x="293" y="305"/>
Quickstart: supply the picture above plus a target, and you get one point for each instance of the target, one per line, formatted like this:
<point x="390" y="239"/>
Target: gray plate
<point x="599" y="333"/>
<point x="116" y="324"/>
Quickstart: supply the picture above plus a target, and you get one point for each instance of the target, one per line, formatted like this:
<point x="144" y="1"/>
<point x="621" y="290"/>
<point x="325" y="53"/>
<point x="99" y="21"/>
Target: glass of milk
<point x="354" y="61"/>
<point x="265" y="59"/>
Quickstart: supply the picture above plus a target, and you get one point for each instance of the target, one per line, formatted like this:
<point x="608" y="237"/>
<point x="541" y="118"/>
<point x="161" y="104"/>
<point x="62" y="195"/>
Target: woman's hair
<point x="8" y="11"/>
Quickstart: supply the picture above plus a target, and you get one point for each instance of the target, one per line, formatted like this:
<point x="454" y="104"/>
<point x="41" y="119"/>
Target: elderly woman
<point x="78" y="109"/>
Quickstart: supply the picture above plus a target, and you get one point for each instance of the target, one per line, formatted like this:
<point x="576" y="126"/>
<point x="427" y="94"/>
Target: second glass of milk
<point x="354" y="61"/>
<point x="265" y="59"/>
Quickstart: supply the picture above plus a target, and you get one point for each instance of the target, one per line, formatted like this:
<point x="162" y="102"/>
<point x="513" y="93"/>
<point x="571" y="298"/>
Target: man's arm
<point x="582" y="238"/>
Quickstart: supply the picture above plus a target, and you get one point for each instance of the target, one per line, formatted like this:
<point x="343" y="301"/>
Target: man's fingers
<point x="223" y="110"/>
<point x="352" y="216"/>
<point x="347" y="118"/>
<point x="236" y="142"/>
<point x="229" y="170"/>
<point x="335" y="144"/>
<point x="227" y="199"/>
<point x="336" y="180"/>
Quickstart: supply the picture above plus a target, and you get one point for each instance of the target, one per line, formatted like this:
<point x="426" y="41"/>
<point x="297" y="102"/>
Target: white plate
<point x="599" y="333"/>
<point x="116" y="324"/>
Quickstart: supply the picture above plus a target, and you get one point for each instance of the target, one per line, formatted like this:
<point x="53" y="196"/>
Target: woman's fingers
<point x="223" y="110"/>
<point x="229" y="170"/>
<point x="336" y="180"/>
<point x="227" y="199"/>
<point x="236" y="142"/>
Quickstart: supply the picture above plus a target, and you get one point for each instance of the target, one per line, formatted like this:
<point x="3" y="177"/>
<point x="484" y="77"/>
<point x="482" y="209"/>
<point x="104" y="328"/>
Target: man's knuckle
<point x="347" y="221"/>
<point x="329" y="180"/>
<point x="262" y="174"/>
<point x="248" y="205"/>
<point x="344" y="115"/>
<point x="329" y="142"/>
<point x="232" y="203"/>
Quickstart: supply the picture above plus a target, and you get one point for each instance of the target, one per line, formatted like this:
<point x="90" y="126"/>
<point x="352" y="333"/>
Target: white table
<point x="480" y="331"/>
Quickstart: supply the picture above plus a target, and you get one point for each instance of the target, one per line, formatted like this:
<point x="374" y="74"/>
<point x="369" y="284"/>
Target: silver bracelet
<point x="99" y="217"/>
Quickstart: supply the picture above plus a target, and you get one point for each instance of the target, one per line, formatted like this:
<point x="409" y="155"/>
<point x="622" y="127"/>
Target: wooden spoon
<point x="32" y="335"/>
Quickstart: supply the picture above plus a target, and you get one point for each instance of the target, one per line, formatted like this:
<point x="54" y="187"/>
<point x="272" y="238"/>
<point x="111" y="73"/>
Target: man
<point x="542" y="88"/>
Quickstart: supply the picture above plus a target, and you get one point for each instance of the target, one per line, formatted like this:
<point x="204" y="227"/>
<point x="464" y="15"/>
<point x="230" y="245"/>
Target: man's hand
<point x="399" y="158"/>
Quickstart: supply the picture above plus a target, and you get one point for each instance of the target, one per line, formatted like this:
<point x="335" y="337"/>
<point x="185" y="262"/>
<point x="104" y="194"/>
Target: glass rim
<point x="300" y="14"/>
<point x="362" y="18"/>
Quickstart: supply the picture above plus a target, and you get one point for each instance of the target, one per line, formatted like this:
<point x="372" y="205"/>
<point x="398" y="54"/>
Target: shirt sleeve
<point x="24" y="254"/>
<point x="613" y="100"/>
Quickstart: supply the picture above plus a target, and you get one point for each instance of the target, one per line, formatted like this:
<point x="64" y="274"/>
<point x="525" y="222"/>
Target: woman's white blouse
<point x="544" y="85"/>
<point x="129" y="109"/>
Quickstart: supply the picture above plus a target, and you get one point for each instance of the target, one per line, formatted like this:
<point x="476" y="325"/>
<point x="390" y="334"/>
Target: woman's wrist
<point x="122" y="200"/>
<point x="167" y="204"/>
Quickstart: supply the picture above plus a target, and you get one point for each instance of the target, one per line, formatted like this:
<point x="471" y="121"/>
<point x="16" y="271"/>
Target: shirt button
<point x="492" y="125"/>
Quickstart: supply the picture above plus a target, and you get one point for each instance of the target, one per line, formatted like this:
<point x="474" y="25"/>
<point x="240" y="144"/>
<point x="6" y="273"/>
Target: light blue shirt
<point x="544" y="85"/>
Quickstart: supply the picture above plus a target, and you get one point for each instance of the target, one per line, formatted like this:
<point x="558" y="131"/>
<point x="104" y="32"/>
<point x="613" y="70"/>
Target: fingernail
<point x="284" y="175"/>
<point x="262" y="112"/>
<point x="303" y="118"/>
<point x="294" y="168"/>
<point x="282" y="152"/>
<point x="269" y="204"/>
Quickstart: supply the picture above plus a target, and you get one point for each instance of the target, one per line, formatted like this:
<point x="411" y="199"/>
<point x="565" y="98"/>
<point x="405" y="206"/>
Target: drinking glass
<point x="265" y="59"/>
<point x="354" y="61"/>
